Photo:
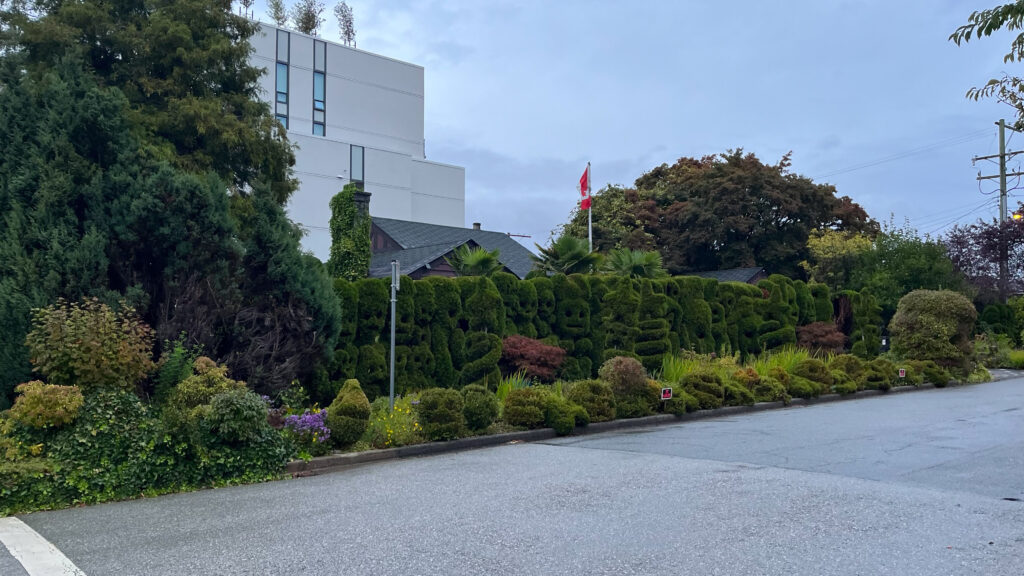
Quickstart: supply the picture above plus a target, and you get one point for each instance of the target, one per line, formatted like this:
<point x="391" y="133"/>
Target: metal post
<point x="590" y="210"/>
<point x="394" y="302"/>
<point x="1003" y="252"/>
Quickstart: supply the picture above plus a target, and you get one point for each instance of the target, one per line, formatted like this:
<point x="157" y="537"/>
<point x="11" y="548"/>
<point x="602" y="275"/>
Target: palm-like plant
<point x="635" y="263"/>
<point x="567" y="255"/>
<point x="468" y="261"/>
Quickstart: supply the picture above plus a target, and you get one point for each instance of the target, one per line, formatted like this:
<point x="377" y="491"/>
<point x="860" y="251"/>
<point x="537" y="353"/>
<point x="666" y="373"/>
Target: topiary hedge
<point x="935" y="325"/>
<point x="349" y="414"/>
<point x="447" y="326"/>
<point x="440" y="414"/>
<point x="480" y="407"/>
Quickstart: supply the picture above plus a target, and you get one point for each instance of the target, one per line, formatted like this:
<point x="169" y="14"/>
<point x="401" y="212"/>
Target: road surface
<point x="908" y="484"/>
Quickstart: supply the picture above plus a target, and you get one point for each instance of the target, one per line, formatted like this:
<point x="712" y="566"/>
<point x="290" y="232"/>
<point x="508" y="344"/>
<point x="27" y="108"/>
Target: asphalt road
<point x="910" y="484"/>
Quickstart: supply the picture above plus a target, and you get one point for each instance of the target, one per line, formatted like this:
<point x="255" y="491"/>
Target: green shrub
<point x="935" y="325"/>
<point x="914" y="374"/>
<point x="1016" y="359"/>
<point x="814" y="370"/>
<point x="770" y="389"/>
<point x="115" y="449"/>
<point x="89" y="345"/>
<point x="391" y="428"/>
<point x="595" y="396"/>
<point x="706" y="387"/>
<point x="849" y="364"/>
<point x="480" y="407"/>
<point x="879" y="374"/>
<point x="237" y="416"/>
<point x="563" y="415"/>
<point x="978" y="375"/>
<point x="681" y="403"/>
<point x="746" y="377"/>
<point x="736" y="395"/>
<point x="440" y="413"/>
<point x="626" y="376"/>
<point x="45" y="406"/>
<point x="349" y="414"/>
<point x="800" y="387"/>
<point x="931" y="372"/>
<point x="199" y="388"/>
<point x="843" y="383"/>
<point x="525" y="407"/>
<point x="174" y="366"/>
<point x="32" y="484"/>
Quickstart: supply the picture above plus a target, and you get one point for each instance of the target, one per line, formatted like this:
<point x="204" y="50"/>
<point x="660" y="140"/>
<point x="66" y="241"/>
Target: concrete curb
<point x="334" y="462"/>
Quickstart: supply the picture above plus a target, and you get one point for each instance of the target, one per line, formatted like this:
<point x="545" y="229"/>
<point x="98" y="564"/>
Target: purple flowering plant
<point x="309" y="431"/>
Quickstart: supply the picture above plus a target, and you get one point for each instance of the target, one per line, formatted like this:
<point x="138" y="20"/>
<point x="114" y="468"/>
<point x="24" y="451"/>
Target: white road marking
<point x="37" y="555"/>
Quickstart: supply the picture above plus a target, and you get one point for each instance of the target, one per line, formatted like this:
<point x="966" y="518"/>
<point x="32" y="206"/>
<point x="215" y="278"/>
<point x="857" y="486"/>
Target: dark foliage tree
<point x="975" y="251"/>
<point x="722" y="211"/>
<point x="128" y="172"/>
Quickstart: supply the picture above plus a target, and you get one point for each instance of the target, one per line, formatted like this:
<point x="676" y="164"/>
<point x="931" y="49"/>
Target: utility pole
<point x="1004" y="255"/>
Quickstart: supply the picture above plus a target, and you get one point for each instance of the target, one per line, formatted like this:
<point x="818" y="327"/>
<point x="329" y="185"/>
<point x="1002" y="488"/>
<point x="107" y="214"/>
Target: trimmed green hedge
<point x="449" y="330"/>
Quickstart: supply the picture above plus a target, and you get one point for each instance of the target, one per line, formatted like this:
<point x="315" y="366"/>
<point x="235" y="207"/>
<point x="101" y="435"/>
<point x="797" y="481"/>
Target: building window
<point x="318" y="90"/>
<point x="281" y="80"/>
<point x="357" y="163"/>
<point x="319" y="56"/>
<point x="282" y="45"/>
<point x="319" y="87"/>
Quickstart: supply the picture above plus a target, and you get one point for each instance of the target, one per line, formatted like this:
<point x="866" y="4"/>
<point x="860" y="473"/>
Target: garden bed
<point x="341" y="460"/>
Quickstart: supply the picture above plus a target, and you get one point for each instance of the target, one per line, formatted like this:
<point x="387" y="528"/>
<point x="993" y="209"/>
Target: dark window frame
<point x="320" y="104"/>
<point x="362" y="164"/>
<point x="281" y="97"/>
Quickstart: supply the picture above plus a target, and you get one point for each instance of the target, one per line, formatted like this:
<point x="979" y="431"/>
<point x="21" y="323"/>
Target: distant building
<point x="746" y="275"/>
<point x="421" y="248"/>
<point x="355" y="117"/>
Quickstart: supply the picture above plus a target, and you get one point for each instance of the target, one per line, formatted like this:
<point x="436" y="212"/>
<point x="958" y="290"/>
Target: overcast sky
<point x="523" y="94"/>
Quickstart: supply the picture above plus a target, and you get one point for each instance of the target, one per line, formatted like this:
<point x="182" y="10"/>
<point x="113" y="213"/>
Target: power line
<point x="948" y="223"/>
<point x="963" y="139"/>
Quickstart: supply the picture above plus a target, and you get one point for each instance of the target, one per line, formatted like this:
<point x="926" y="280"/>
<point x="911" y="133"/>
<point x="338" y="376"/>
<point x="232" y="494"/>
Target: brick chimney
<point x="476" y="225"/>
<point x="362" y="202"/>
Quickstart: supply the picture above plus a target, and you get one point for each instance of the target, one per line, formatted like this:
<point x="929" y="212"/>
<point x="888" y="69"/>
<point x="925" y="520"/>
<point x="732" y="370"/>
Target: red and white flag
<point x="584" y="188"/>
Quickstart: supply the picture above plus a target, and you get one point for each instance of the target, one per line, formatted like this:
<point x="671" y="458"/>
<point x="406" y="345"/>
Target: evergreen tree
<point x="127" y="172"/>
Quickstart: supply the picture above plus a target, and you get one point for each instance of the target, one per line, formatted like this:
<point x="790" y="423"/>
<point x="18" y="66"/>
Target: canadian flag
<point x="584" y="189"/>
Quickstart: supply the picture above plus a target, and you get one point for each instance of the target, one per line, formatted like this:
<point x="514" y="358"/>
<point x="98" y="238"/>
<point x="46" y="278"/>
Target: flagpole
<point x="590" y="209"/>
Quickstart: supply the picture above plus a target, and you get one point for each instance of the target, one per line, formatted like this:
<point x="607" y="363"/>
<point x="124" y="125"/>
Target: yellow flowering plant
<point x="388" y="428"/>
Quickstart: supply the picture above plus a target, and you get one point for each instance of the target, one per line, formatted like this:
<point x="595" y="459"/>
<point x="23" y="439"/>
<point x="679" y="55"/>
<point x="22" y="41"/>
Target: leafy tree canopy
<point x="1010" y="16"/>
<point x="722" y="211"/>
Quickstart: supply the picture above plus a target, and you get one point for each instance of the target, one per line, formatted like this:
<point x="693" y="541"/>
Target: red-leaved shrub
<point x="540" y="361"/>
<point x="821" y="338"/>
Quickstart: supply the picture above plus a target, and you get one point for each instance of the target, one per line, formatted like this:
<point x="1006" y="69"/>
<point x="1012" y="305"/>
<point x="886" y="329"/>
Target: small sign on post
<point x="903" y="372"/>
<point x="666" y="393"/>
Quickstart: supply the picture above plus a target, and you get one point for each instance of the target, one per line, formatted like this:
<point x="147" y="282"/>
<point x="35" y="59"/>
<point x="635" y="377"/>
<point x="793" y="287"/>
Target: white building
<point x="354" y="116"/>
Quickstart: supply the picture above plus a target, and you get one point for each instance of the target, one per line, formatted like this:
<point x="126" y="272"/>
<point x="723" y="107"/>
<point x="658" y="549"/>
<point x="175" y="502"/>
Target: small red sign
<point x="666" y="393"/>
<point x="903" y="372"/>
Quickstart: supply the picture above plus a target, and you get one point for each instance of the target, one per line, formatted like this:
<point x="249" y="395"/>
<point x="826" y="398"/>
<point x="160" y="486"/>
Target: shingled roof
<point x="423" y="243"/>
<point x="745" y="275"/>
